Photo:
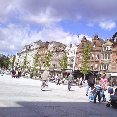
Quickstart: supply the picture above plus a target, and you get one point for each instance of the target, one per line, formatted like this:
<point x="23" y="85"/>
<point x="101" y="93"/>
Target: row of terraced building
<point x="103" y="54"/>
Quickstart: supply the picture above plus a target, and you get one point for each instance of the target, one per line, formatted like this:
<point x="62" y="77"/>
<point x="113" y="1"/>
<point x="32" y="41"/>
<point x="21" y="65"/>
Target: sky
<point x="25" y="21"/>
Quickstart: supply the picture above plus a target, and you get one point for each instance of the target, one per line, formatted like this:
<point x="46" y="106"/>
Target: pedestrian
<point x="44" y="77"/>
<point x="58" y="79"/>
<point x="90" y="83"/>
<point x="97" y="92"/>
<point x="13" y="73"/>
<point x="70" y="80"/>
<point x="80" y="82"/>
<point x="104" y="83"/>
<point x="19" y="73"/>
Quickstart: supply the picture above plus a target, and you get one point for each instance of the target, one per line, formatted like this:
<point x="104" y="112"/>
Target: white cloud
<point x="107" y="25"/>
<point x="43" y="18"/>
<point x="91" y="10"/>
<point x="44" y="11"/>
<point x="48" y="13"/>
<point x="14" y="37"/>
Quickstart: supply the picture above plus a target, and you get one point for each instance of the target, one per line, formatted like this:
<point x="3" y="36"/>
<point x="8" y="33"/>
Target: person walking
<point x="70" y="79"/>
<point x="90" y="82"/>
<point x="104" y="83"/>
<point x="44" y="77"/>
<point x="58" y="79"/>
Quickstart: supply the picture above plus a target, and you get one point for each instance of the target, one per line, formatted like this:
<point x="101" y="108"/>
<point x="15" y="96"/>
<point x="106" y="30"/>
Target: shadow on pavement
<point x="58" y="109"/>
<point x="46" y="90"/>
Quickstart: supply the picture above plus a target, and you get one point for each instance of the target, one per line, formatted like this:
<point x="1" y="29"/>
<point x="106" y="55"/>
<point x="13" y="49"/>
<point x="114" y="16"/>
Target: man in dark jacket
<point x="91" y="81"/>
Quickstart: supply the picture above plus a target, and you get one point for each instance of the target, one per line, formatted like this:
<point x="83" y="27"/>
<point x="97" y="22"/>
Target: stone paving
<point x="23" y="98"/>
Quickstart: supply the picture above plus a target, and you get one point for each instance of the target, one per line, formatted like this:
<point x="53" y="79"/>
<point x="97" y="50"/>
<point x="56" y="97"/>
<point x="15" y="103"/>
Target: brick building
<point x="96" y="48"/>
<point x="106" y="56"/>
<point x="80" y="51"/>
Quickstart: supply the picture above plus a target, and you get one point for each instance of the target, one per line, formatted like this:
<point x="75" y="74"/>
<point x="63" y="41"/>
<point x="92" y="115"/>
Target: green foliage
<point x="25" y="62"/>
<point x="13" y="61"/>
<point x="37" y="61"/>
<point x="47" y="60"/>
<point x="64" y="62"/>
<point x="85" y="67"/>
<point x="4" y="61"/>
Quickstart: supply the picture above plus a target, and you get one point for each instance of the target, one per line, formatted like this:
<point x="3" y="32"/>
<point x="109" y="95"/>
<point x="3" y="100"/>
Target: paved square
<point x="23" y="98"/>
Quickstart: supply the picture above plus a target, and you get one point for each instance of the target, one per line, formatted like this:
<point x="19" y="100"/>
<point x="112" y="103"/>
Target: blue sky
<point x="25" y="21"/>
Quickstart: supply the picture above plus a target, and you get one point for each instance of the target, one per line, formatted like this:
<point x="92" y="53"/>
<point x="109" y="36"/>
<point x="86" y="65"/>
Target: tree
<point x="47" y="60"/>
<point x="37" y="63"/>
<point x="25" y="62"/>
<point x="13" y="61"/>
<point x="34" y="70"/>
<point x="85" y="66"/>
<point x="4" y="61"/>
<point x="64" y="62"/>
<point x="36" y="60"/>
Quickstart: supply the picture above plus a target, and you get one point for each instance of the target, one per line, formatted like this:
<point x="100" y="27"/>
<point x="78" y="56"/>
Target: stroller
<point x="113" y="100"/>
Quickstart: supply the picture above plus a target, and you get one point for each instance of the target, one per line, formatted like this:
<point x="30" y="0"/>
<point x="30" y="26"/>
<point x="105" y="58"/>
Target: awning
<point x="113" y="74"/>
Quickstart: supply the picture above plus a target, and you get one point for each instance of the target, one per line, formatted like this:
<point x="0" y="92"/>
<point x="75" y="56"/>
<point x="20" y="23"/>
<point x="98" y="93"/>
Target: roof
<point x="108" y="43"/>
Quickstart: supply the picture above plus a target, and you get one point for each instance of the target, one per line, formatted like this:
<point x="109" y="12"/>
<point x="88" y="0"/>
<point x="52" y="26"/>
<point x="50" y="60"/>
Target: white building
<point x="27" y="52"/>
<point x="71" y="54"/>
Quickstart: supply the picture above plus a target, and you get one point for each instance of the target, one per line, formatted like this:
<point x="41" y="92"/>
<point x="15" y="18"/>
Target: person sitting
<point x="113" y="100"/>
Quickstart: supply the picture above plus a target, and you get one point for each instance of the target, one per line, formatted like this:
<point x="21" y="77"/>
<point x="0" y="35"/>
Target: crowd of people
<point x="16" y="73"/>
<point x="95" y="89"/>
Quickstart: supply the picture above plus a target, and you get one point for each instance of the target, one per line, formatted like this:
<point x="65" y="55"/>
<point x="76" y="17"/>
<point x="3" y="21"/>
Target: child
<point x="98" y="90"/>
<point x="91" y="96"/>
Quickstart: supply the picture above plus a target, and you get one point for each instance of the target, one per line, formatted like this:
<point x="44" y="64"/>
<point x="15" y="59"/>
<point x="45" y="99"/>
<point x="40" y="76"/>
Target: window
<point x="94" y="44"/>
<point x="96" y="66"/>
<point x="104" y="48"/>
<point x="92" y="56"/>
<point x="98" y="56"/>
<point x="91" y="67"/>
<point x="105" y="66"/>
<point x="108" y="55"/>
<point x="107" y="48"/>
<point x="105" y="56"/>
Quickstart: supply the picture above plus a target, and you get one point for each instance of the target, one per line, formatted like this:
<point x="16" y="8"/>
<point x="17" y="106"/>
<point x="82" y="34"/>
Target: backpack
<point x="110" y="90"/>
<point x="91" y="81"/>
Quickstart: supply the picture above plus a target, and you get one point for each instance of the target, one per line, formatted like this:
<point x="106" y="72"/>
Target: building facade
<point x="106" y="56"/>
<point x="96" y="48"/>
<point x="57" y="49"/>
<point x="71" y="55"/>
<point x="79" y="53"/>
